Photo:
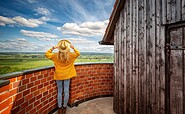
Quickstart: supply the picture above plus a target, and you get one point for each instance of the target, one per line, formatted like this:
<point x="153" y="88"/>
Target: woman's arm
<point x="76" y="52"/>
<point x="49" y="53"/>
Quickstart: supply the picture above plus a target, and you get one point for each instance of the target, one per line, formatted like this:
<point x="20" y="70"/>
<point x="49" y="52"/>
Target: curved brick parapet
<point x="35" y="91"/>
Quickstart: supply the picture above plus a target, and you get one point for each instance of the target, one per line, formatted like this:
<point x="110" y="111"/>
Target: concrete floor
<point x="95" y="106"/>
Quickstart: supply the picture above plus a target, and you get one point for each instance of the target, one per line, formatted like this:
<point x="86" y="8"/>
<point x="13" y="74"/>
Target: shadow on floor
<point x="96" y="106"/>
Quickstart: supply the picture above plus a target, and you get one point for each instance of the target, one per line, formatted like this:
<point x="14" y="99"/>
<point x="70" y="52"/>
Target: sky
<point x="37" y="25"/>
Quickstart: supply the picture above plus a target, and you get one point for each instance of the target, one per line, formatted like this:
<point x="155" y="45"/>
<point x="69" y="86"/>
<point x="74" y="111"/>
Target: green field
<point x="16" y="62"/>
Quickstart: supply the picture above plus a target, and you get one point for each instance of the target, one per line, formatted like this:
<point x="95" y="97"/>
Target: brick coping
<point x="4" y="77"/>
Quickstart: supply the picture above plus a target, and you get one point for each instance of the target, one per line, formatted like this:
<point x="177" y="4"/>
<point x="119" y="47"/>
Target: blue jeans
<point x="66" y="92"/>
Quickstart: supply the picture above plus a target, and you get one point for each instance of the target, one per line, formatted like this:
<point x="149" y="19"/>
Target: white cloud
<point x="18" y="20"/>
<point x="44" y="18"/>
<point x="79" y="40"/>
<point x="89" y="45"/>
<point x="21" y="44"/>
<point x="27" y="22"/>
<point x="43" y="11"/>
<point x="84" y="29"/>
<point x="6" y="20"/>
<point x="32" y="1"/>
<point x="40" y="35"/>
<point x="16" y="45"/>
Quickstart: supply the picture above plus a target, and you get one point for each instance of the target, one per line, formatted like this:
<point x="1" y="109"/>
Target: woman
<point x="64" y="70"/>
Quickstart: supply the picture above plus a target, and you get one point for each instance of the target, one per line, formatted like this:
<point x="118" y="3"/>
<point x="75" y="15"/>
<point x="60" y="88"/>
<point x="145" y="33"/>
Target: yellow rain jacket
<point x="63" y="70"/>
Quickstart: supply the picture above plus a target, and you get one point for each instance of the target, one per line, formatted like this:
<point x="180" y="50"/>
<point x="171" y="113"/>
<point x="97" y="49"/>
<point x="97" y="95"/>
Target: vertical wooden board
<point x="158" y="47"/>
<point x="173" y="11"/>
<point x="178" y="11"/>
<point x="176" y="38"/>
<point x="183" y="10"/>
<point x="122" y="94"/>
<point x="148" y="58"/>
<point x="128" y="59"/>
<point x="141" y="57"/>
<point x="176" y="73"/>
<point x="168" y="12"/>
<point x="115" y="100"/>
<point x="131" y="56"/>
<point x="125" y="58"/>
<point x="120" y="64"/>
<point x="152" y="50"/>
<point x="183" y="59"/>
<point x="117" y="77"/>
<point x="163" y="11"/>
<point x="176" y="82"/>
<point x="144" y="80"/>
<point x="136" y="56"/>
<point x="114" y="78"/>
<point x="162" y="70"/>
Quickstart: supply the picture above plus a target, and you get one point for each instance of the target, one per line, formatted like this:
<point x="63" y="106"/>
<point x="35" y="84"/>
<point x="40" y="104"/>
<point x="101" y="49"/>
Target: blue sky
<point x="36" y="25"/>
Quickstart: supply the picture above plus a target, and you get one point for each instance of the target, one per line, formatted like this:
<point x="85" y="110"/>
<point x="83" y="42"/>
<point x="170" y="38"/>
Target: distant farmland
<point x="17" y="61"/>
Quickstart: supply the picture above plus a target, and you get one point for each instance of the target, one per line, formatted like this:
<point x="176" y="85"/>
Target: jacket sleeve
<point x="76" y="53"/>
<point x="49" y="54"/>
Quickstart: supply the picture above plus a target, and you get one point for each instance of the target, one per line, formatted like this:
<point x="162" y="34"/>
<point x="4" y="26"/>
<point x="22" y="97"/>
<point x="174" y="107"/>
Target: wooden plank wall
<point x="139" y="40"/>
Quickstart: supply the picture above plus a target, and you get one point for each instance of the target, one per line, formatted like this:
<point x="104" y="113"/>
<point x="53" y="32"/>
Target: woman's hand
<point x="71" y="46"/>
<point x="54" y="47"/>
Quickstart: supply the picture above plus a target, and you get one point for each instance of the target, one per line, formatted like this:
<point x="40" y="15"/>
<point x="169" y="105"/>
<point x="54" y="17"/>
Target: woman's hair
<point x="64" y="50"/>
<point x="63" y="56"/>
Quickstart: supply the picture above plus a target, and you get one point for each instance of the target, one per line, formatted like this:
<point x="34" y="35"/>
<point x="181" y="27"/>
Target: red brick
<point x="43" y="80"/>
<point x="45" y="102"/>
<point x="36" y="73"/>
<point x="36" y="103"/>
<point x="37" y="82"/>
<point x="12" y="80"/>
<point x="26" y="92"/>
<point x="25" y="81"/>
<point x="13" y="92"/>
<point x="5" y="111"/>
<point x="32" y="100"/>
<point x="39" y="96"/>
<point x="43" y="99"/>
<point x="19" y="78"/>
<point x="19" y="95"/>
<point x="45" y="93"/>
<point x="30" y="85"/>
<point x="33" y="79"/>
<point x="4" y="104"/>
<point x="34" y="89"/>
<point x="21" y="112"/>
<point x="15" y="110"/>
<point x="28" y="97"/>
<point x="3" y="96"/>
<point x="29" y="108"/>
<point x="36" y="93"/>
<point x="25" y="104"/>
<point x="16" y="84"/>
<point x="22" y="88"/>
<point x="29" y="75"/>
<point x="39" y="106"/>
<point x="4" y="88"/>
<point x="40" y="86"/>
<point x="20" y="101"/>
<point x="40" y="76"/>
<point x="46" y="83"/>
<point x="32" y="111"/>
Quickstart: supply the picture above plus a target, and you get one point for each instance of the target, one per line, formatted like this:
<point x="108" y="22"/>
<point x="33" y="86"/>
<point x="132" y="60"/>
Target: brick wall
<point x="35" y="91"/>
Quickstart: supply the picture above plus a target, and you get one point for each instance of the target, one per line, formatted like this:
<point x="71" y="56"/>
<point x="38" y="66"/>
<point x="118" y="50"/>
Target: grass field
<point x="13" y="64"/>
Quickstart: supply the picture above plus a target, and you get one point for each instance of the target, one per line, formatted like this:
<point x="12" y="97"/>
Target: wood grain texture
<point x="140" y="57"/>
